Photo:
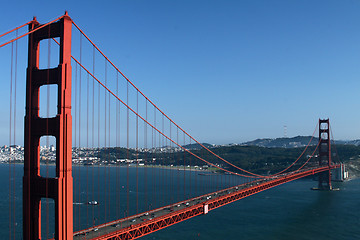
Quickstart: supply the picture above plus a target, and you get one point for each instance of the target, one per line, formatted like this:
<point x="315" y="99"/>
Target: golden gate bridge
<point x="103" y="121"/>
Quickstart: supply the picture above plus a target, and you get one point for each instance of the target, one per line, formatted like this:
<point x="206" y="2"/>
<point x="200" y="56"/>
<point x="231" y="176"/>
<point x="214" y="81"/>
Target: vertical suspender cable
<point x="169" y="171"/>
<point x="87" y="150"/>
<point x="79" y="136"/>
<point x="99" y="149"/>
<point x="93" y="135"/>
<point x="152" y="166"/>
<point x="14" y="138"/>
<point x="157" y="161"/>
<point x="177" y="166"/>
<point x="184" y="176"/>
<point x="109" y="144"/>
<point x="11" y="203"/>
<point x="163" y="155"/>
<point x="127" y="150"/>
<point x="105" y="145"/>
<point x="119" y="176"/>
<point x="137" y="152"/>
<point x="146" y="155"/>
<point x="190" y="180"/>
<point x="76" y="190"/>
<point x="117" y="185"/>
<point x="161" y="170"/>
<point x="184" y="197"/>
<point x="172" y="153"/>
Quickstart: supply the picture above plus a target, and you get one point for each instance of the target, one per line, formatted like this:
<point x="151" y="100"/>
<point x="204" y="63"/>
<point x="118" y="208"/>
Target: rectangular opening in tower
<point x="48" y="101"/>
<point x="49" y="54"/>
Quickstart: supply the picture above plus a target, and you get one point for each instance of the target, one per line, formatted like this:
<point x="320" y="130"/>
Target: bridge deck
<point x="142" y="224"/>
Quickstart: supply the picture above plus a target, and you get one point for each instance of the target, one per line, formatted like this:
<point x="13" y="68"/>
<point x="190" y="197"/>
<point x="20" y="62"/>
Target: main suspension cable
<point x="34" y="30"/>
<point x="25" y="24"/>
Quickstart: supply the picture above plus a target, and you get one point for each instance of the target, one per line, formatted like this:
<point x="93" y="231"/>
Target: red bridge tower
<point x="35" y="186"/>
<point x="324" y="154"/>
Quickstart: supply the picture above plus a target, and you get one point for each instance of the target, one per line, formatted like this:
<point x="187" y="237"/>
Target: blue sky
<point x="228" y="71"/>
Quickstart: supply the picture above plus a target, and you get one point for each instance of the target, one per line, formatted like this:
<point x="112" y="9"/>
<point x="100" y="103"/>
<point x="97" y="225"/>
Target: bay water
<point x="289" y="211"/>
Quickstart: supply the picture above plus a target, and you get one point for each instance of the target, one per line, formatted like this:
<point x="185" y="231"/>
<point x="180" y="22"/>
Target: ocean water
<point x="289" y="211"/>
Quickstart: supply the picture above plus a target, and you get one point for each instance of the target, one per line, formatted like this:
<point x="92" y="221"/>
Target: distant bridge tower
<point x="35" y="186"/>
<point x="324" y="154"/>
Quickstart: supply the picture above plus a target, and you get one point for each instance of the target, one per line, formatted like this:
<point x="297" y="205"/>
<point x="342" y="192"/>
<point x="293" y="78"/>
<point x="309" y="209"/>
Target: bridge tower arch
<point x="324" y="154"/>
<point x="36" y="187"/>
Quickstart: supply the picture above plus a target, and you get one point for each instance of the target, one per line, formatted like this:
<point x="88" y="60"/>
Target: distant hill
<point x="196" y="146"/>
<point x="299" y="141"/>
<point x="294" y="142"/>
<point x="350" y="142"/>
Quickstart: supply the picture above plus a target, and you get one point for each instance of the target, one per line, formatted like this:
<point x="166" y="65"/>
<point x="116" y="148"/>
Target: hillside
<point x="299" y="141"/>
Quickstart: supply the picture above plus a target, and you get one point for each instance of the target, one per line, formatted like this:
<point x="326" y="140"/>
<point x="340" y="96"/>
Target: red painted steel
<point x="28" y="33"/>
<point x="324" y="153"/>
<point x="37" y="187"/>
<point x="21" y="26"/>
<point x="139" y="230"/>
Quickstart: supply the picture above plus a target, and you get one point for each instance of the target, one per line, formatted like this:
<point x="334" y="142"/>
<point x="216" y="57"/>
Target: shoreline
<point x="178" y="168"/>
<point x="352" y="167"/>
